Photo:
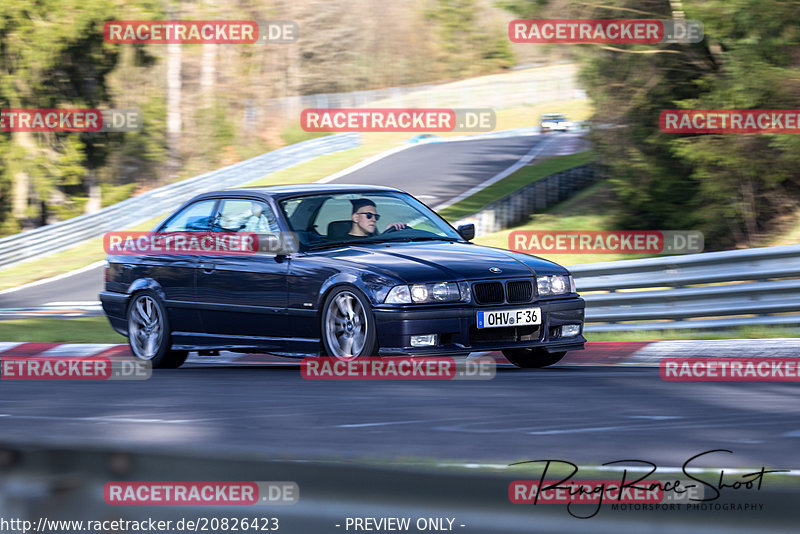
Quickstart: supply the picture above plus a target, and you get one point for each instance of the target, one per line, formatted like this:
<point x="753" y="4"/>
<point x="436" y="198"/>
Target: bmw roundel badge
<point x="495" y="270"/>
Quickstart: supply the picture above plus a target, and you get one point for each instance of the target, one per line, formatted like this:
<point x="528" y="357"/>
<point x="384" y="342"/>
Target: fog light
<point x="427" y="340"/>
<point x="568" y="330"/>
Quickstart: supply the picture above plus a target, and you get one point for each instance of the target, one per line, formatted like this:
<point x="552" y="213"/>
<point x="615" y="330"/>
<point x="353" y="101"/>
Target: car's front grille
<point x="512" y="292"/>
<point x="519" y="291"/>
<point x="505" y="334"/>
<point x="488" y="292"/>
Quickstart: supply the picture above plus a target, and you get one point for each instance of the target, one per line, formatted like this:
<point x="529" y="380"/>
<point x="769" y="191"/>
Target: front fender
<point x="374" y="286"/>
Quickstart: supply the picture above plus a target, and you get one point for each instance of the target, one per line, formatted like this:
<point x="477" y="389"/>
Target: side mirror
<point x="467" y="231"/>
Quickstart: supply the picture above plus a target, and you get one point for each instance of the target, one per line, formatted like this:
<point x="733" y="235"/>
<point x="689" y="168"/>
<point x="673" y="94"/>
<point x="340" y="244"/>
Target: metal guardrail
<point x="515" y="208"/>
<point x="530" y="87"/>
<point x="136" y="210"/>
<point x="758" y="286"/>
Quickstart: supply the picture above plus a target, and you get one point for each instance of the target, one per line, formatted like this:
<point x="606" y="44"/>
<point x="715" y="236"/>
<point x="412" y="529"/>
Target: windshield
<point x="336" y="219"/>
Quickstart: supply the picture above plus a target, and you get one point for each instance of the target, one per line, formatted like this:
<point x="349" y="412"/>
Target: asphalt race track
<point x="585" y="414"/>
<point x="437" y="172"/>
<point x="80" y="287"/>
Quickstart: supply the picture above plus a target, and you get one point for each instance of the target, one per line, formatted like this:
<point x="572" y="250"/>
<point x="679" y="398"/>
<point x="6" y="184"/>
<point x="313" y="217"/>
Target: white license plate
<point x="515" y="317"/>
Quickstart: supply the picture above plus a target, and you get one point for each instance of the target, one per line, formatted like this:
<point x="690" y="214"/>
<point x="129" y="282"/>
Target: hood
<point x="443" y="261"/>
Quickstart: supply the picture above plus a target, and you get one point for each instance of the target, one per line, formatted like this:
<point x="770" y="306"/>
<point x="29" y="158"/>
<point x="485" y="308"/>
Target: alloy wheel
<point x="345" y="326"/>
<point x="145" y="327"/>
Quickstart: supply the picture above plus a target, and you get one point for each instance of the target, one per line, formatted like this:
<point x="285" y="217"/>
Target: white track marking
<point x="524" y="160"/>
<point x="94" y="265"/>
<point x="105" y="419"/>
<point x="387" y="423"/>
<point x="77" y="349"/>
<point x="84" y="303"/>
<point x="362" y="164"/>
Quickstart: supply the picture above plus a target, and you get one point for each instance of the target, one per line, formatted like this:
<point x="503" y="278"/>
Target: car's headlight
<point x="555" y="285"/>
<point x="445" y="292"/>
<point x="429" y="293"/>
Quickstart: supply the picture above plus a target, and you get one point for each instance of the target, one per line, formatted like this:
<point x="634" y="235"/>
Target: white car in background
<point x="555" y="122"/>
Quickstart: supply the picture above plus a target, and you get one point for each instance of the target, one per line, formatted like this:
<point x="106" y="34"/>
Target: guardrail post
<point x="540" y="195"/>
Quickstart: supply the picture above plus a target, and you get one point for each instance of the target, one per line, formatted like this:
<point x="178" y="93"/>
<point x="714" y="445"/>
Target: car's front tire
<point x="348" y="325"/>
<point x="149" y="336"/>
<point x="532" y="358"/>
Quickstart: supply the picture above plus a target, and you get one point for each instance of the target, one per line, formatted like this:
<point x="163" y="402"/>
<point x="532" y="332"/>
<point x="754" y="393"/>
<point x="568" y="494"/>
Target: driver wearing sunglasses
<point x="365" y="219"/>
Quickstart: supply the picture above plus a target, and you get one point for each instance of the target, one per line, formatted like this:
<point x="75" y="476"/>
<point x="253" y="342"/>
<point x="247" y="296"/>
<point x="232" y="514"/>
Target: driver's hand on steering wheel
<point x="396" y="226"/>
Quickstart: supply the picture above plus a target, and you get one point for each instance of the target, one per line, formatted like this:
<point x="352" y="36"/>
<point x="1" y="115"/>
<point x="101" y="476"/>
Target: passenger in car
<point x="258" y="221"/>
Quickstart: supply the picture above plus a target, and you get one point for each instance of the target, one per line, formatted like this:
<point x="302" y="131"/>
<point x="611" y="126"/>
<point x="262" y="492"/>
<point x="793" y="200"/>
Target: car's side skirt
<point x="201" y="341"/>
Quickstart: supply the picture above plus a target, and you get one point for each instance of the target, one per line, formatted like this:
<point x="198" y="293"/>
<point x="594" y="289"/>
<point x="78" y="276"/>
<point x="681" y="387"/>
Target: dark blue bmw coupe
<point x="372" y="272"/>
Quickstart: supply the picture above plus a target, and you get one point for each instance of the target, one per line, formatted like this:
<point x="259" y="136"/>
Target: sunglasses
<point x="370" y="215"/>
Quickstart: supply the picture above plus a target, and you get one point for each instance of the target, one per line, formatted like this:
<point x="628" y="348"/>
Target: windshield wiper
<point x="375" y="241"/>
<point x="340" y="244"/>
<point x="423" y="238"/>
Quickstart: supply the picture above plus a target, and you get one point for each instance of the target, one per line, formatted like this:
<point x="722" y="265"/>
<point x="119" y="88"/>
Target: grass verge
<point x="517" y="180"/>
<point x="52" y="330"/>
<point x="61" y="262"/>
<point x="591" y="209"/>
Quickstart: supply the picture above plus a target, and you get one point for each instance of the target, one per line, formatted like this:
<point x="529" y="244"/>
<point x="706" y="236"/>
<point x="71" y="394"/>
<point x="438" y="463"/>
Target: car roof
<point x="552" y="114"/>
<point x="283" y="191"/>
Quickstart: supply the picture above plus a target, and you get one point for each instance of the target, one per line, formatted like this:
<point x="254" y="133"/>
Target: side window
<point x="196" y="216"/>
<point x="335" y="209"/>
<point x="241" y="215"/>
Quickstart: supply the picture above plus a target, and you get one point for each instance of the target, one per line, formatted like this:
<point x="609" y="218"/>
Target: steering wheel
<point x="395" y="229"/>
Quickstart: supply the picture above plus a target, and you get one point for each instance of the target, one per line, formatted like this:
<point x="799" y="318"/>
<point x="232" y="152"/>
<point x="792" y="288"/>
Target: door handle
<point x="208" y="268"/>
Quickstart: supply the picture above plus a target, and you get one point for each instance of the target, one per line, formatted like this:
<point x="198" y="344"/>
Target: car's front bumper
<point x="456" y="328"/>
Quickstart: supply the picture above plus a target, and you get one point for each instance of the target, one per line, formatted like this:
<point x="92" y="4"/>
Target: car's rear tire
<point x="348" y="325"/>
<point x="149" y="336"/>
<point x="532" y="358"/>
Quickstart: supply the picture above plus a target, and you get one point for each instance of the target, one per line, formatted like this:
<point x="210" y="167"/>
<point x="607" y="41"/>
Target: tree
<point x="53" y="55"/>
<point x="733" y="187"/>
<point x="465" y="44"/>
